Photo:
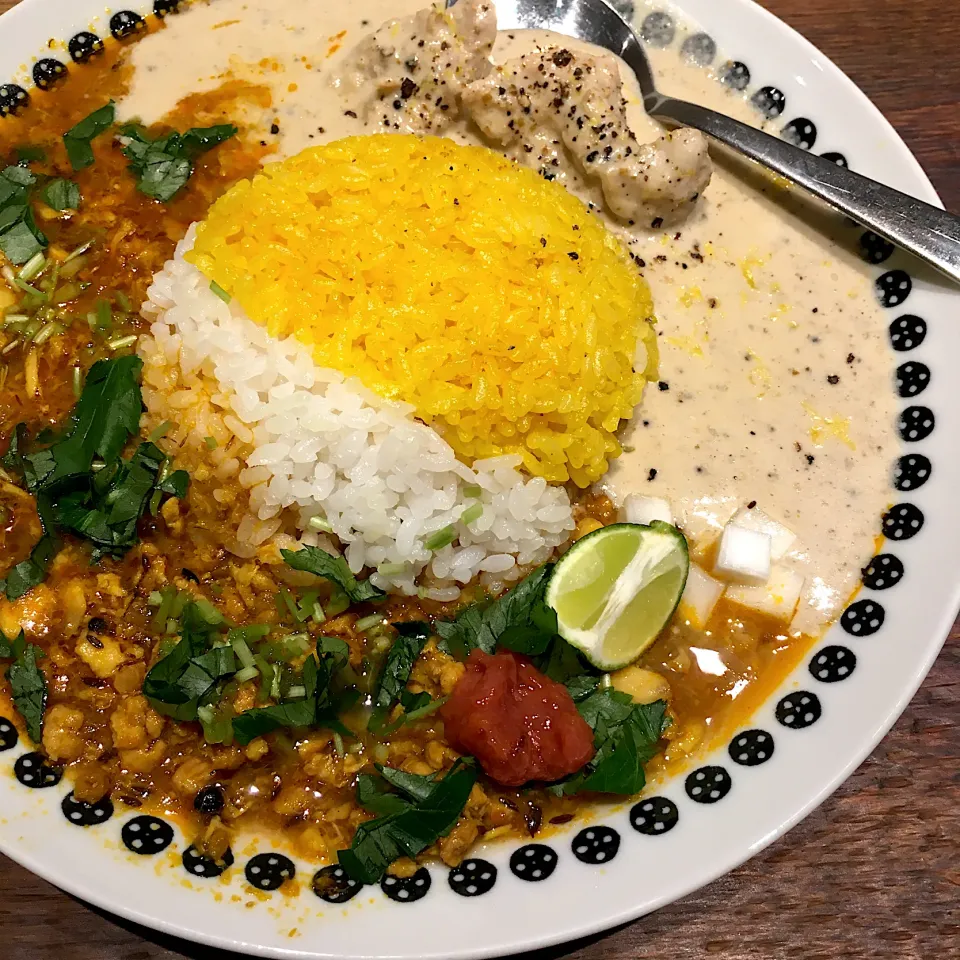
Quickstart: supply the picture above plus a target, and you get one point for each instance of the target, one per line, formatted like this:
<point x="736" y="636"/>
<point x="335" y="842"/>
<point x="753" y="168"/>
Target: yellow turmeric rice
<point x="446" y="276"/>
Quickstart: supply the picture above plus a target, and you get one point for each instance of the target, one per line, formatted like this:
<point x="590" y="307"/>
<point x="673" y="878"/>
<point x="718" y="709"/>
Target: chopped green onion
<point x="247" y="673"/>
<point x="12" y="319"/>
<point x="211" y="615"/>
<point x="338" y="743"/>
<point x="472" y="490"/>
<point x="69" y="291"/>
<point x="337" y="603"/>
<point x="217" y="724"/>
<point x="316" y="612"/>
<point x="155" y="499"/>
<point x="473" y="512"/>
<point x="83" y="248"/>
<point x="320" y="524"/>
<point x="123" y="300"/>
<point x="33" y="291"/>
<point x="211" y="442"/>
<point x="441" y="538"/>
<point x="251" y="634"/>
<point x="296" y="692"/>
<point x="365" y="623"/>
<point x="286" y="604"/>
<point x="7" y="273"/>
<point x="275" y="683"/>
<point x="160" y="431"/>
<point x="432" y="707"/>
<point x="220" y="292"/>
<point x="122" y="342"/>
<point x="104" y="315"/>
<point x="242" y="651"/>
<point x="33" y="267"/>
<point x="46" y="332"/>
<point x="155" y="598"/>
<point x="391" y="569"/>
<point x="77" y="388"/>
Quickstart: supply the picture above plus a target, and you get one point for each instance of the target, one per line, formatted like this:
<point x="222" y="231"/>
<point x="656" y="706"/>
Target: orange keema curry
<point x="175" y="639"/>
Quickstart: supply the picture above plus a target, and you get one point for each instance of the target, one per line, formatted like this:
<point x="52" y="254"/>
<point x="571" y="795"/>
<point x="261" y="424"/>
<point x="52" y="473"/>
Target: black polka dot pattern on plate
<point x="902" y="521"/>
<point x="916" y="423"/>
<point x="907" y="332"/>
<point x="770" y="101"/>
<point x="473" y="878"/>
<point x="708" y="784"/>
<point x="799" y="709"/>
<point x="198" y="865"/>
<point x="863" y="618"/>
<point x="33" y="771"/>
<point x="8" y="734"/>
<point x="533" y="862"/>
<point x="269" y="871"/>
<point x="146" y="835"/>
<point x="751" y="748"/>
<point x="407" y="889"/>
<point x="833" y="664"/>
<point x="658" y="29"/>
<point x="13" y="98"/>
<point x="699" y="48"/>
<point x="86" y="814"/>
<point x="874" y="248"/>
<point x="913" y="378"/>
<point x="162" y="7"/>
<point x="334" y="885"/>
<point x="125" y="24"/>
<point x="654" y="816"/>
<point x="84" y="45"/>
<point x="47" y="72"/>
<point x="735" y="75"/>
<point x="894" y="287"/>
<point x="882" y="572"/>
<point x="800" y="132"/>
<point x="912" y="471"/>
<point x="838" y="158"/>
<point x="596" y="844"/>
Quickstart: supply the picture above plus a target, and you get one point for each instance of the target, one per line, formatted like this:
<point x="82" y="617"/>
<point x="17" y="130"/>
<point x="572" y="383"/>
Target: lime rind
<point x="615" y="590"/>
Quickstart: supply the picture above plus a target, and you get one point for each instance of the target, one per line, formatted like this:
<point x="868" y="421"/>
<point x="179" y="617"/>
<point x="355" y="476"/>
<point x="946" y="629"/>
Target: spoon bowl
<point x="926" y="231"/>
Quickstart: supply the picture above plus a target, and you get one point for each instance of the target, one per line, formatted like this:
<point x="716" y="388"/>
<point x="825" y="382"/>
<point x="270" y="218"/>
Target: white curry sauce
<point x="775" y="382"/>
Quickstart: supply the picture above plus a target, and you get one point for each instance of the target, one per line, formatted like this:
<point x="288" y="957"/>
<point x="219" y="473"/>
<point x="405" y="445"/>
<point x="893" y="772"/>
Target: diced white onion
<point x="744" y="555"/>
<point x="777" y="598"/>
<point x="781" y="539"/>
<point x="645" y="510"/>
<point x="700" y="596"/>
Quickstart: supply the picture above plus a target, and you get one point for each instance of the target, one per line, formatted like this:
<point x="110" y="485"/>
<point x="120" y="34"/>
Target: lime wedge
<point x="614" y="590"/>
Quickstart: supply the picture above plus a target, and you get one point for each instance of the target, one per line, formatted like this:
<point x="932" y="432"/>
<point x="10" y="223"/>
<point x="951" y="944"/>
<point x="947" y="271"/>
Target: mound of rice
<point x="302" y="438"/>
<point x="447" y="277"/>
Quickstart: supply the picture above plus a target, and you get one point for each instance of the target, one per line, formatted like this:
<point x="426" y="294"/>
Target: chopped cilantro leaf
<point x="28" y="686"/>
<point x="77" y="139"/>
<point x="519" y="621"/>
<point x="429" y="811"/>
<point x="326" y="565"/>
<point x="61" y="194"/>
<point x="164" y="165"/>
<point x="411" y="639"/>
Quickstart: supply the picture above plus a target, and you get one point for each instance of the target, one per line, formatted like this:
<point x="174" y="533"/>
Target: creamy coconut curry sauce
<point x="774" y="391"/>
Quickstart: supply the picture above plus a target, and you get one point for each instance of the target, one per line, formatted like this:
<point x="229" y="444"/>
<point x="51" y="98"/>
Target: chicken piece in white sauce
<point x="563" y="114"/>
<point x="410" y="73"/>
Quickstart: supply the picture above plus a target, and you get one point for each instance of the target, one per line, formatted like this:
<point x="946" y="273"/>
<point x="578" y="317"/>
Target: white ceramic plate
<point x="800" y="746"/>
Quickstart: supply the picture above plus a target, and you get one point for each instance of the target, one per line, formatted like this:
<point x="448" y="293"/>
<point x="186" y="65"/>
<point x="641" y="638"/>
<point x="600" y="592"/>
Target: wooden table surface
<point x="875" y="872"/>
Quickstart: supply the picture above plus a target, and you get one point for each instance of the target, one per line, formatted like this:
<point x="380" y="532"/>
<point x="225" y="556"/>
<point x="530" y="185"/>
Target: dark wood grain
<point x="875" y="872"/>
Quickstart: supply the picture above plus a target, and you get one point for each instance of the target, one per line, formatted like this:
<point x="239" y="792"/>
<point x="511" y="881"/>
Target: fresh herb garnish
<point x="30" y="153"/>
<point x="61" y="194"/>
<point x="78" y="138"/>
<point x="564" y="664"/>
<point x="326" y="565"/>
<point x="101" y="505"/>
<point x="28" y="685"/>
<point x="626" y="735"/>
<point x="424" y="810"/>
<point x="412" y="636"/>
<point x="20" y="238"/>
<point x="520" y="620"/>
<point x="164" y="165"/>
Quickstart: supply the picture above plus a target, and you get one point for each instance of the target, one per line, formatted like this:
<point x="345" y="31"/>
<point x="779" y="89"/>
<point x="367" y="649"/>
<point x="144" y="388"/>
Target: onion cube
<point x="744" y="555"/>
<point x="777" y="598"/>
<point x="645" y="510"/>
<point x="781" y="539"/>
<point x="700" y="596"/>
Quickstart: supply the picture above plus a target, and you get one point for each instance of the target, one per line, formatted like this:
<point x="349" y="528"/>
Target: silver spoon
<point x="926" y="231"/>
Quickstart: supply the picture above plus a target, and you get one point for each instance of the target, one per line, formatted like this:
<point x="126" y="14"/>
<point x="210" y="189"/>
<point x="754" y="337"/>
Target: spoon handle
<point x="925" y="231"/>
